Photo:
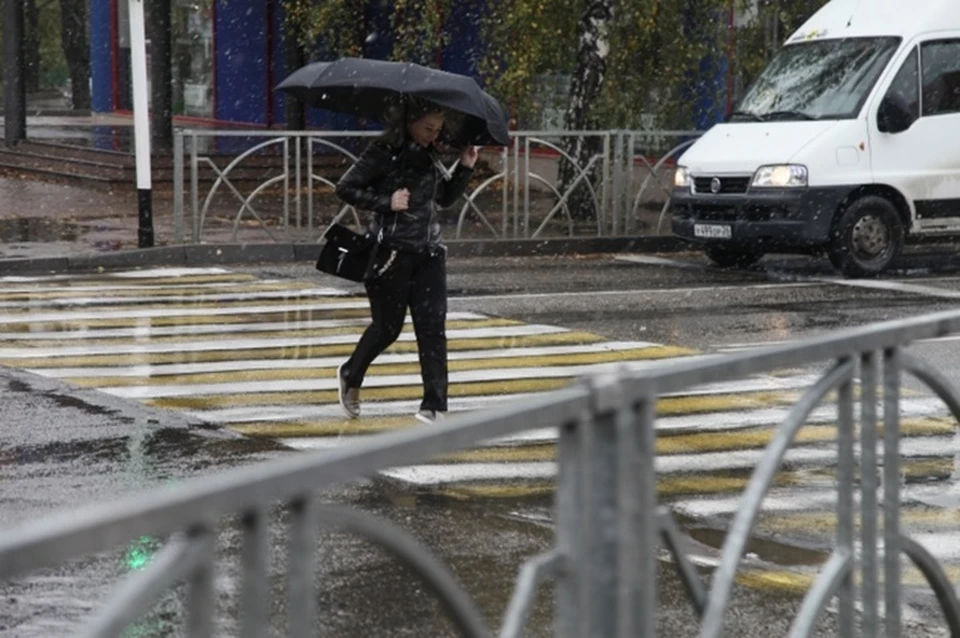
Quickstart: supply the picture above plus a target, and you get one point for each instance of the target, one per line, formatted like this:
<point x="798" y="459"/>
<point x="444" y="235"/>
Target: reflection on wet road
<point x="259" y="356"/>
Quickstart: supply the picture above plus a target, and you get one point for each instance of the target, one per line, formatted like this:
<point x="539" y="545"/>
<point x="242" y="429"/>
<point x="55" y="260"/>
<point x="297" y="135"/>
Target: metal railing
<point x="608" y="521"/>
<point x="624" y="172"/>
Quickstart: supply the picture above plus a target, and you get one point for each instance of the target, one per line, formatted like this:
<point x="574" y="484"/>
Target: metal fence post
<point x="845" y="507"/>
<point x="638" y="522"/>
<point x="615" y="194"/>
<point x="201" y="598"/>
<point x="891" y="490"/>
<point x="195" y="187"/>
<point x="599" y="544"/>
<point x="568" y="506"/>
<point x="178" y="187"/>
<point x="868" y="487"/>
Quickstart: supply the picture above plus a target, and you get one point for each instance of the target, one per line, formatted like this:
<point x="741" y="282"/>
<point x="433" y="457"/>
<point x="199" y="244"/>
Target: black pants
<point x="417" y="281"/>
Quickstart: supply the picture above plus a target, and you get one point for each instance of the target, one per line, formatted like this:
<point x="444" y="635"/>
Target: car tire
<point x="867" y="238"/>
<point x="732" y="256"/>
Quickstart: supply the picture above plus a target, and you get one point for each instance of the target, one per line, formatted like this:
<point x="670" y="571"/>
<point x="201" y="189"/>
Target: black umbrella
<point x="370" y="88"/>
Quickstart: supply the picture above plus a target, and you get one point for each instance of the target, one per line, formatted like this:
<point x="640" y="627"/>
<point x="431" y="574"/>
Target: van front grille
<point x="729" y="184"/>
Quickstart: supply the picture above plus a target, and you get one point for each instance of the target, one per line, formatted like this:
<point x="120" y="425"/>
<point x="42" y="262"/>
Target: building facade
<point x="228" y="56"/>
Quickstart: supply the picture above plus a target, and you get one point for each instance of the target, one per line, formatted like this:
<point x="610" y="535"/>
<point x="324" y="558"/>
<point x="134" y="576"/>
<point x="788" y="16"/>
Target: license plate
<point x="712" y="231"/>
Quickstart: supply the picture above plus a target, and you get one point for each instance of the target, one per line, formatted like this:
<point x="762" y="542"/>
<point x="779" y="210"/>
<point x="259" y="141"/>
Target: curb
<point x="212" y="254"/>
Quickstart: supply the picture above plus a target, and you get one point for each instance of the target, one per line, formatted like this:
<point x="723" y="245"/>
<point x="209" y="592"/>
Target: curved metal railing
<point x="528" y="175"/>
<point x="608" y="524"/>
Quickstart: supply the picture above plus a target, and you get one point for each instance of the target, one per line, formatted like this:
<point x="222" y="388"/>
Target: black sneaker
<point x="349" y="397"/>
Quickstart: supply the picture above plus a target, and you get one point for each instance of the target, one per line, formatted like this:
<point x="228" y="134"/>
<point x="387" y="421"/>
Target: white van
<point x="848" y="141"/>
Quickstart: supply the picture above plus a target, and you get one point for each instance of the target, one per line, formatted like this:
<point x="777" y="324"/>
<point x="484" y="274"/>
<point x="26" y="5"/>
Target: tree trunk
<point x="31" y="45"/>
<point x="76" y="49"/>
<point x="585" y="87"/>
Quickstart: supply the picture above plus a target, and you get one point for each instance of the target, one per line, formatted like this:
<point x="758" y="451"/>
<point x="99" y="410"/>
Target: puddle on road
<point x="20" y="229"/>
<point x="765" y="549"/>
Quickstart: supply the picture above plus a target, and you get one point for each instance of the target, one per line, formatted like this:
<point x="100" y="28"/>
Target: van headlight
<point x="780" y="176"/>
<point x="681" y="178"/>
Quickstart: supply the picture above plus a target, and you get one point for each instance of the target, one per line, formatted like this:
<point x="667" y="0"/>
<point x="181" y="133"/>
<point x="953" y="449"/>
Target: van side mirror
<point x="894" y="114"/>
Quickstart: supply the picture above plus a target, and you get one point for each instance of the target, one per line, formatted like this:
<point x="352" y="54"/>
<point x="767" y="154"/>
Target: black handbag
<point x="347" y="254"/>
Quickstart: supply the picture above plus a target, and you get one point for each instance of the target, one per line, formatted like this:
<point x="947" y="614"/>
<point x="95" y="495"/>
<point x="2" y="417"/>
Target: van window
<point x="941" y="77"/>
<point x="820" y="79"/>
<point x="905" y="88"/>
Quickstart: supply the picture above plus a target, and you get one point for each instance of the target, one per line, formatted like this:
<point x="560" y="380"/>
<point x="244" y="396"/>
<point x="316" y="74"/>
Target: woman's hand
<point x="469" y="156"/>
<point x="400" y="200"/>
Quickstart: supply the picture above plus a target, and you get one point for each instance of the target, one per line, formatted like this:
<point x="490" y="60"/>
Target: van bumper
<point x="768" y="220"/>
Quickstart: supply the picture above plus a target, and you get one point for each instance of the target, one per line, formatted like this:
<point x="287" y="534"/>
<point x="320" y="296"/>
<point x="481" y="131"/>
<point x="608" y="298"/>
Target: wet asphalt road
<point x="64" y="446"/>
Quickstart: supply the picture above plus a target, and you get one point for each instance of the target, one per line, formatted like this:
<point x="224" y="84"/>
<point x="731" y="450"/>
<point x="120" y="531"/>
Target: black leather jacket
<point x="380" y="171"/>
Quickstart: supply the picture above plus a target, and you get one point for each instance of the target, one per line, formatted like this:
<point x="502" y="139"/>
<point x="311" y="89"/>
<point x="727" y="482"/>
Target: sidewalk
<point x="48" y="226"/>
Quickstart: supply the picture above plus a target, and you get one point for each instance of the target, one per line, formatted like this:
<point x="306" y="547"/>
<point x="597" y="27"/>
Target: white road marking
<point x="675" y="464"/>
<point x="153" y="313"/>
<point x="146" y="347"/>
<point x="148" y="331"/>
<point x="653" y="260"/>
<point x="758" y="384"/>
<point x="387" y="358"/>
<point x="127" y="274"/>
<point x="286" y="295"/>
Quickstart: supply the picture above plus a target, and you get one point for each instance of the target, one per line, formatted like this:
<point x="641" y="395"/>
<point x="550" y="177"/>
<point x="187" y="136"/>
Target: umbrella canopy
<point x="371" y="88"/>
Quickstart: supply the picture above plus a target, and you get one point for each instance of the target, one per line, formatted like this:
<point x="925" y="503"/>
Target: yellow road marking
<point x="825" y="523"/>
<point x="752" y="439"/>
<point x="390" y="393"/>
<point x="293" y="317"/>
<point x="292" y="332"/>
<point x="665" y="407"/>
<point x="669" y="486"/>
<point x="186" y="291"/>
<point x="313" y="300"/>
<point x="294" y="352"/>
<point x="454" y="365"/>
<point x="106" y="281"/>
<point x="801" y="582"/>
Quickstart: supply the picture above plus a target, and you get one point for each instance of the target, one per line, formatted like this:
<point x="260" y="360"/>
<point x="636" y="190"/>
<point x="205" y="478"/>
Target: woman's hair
<point x="402" y="115"/>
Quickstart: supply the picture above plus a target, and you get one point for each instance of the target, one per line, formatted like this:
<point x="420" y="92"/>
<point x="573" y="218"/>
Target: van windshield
<point x="823" y="79"/>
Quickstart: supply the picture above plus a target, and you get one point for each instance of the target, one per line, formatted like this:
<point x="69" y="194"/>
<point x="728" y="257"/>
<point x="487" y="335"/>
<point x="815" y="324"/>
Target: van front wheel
<point x="732" y="256"/>
<point x="867" y="237"/>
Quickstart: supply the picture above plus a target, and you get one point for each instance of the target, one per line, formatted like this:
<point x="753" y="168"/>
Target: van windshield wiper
<point x="747" y="115"/>
<point x="788" y="115"/>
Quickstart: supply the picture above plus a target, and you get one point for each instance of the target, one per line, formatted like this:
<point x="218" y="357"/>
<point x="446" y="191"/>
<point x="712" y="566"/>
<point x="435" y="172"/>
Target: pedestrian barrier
<point x="608" y="522"/>
<point x="527" y="193"/>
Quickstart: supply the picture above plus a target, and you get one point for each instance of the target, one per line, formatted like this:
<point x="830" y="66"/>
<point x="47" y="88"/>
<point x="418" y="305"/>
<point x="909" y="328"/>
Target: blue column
<point x="241" y="58"/>
<point x="101" y="55"/>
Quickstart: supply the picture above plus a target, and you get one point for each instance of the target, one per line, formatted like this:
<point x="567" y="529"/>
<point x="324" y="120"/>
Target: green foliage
<point x="336" y="23"/>
<point x="526" y="38"/>
<point x="657" y="48"/>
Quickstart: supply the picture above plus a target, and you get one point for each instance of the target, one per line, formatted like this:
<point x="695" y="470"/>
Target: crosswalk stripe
<point x="80" y="295"/>
<point x="439" y="474"/>
<point x="141" y="277"/>
<point x="644" y="350"/>
<point x="354" y="328"/>
<point x="302" y="352"/>
<point x="85" y="333"/>
<point x="205" y="309"/>
<point x="234" y="344"/>
<point x="412" y="367"/>
<point x="259" y="357"/>
<point x="163" y="301"/>
<point x="384" y="377"/>
<point x="321" y="436"/>
<point x="194" y="321"/>
<point x="700" y="404"/>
